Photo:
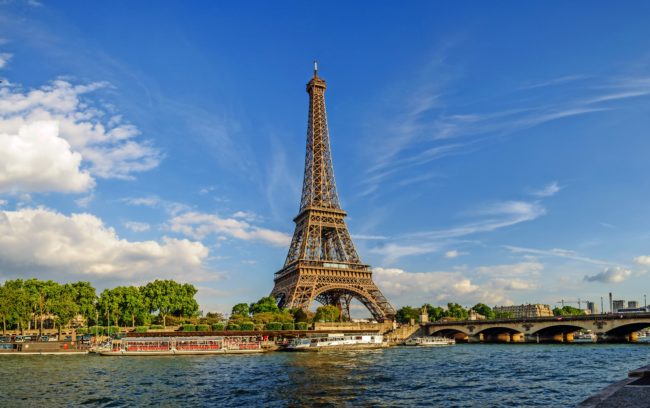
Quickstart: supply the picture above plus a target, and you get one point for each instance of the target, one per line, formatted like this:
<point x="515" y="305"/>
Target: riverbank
<point x="634" y="391"/>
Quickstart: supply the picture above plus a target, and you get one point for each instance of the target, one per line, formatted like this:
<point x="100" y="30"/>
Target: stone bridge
<point x="609" y="328"/>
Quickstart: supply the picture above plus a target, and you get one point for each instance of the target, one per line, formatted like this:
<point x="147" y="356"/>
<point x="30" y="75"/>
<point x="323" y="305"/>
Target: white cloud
<point x="199" y="225"/>
<point x="107" y="147"/>
<point x="452" y="254"/>
<point x="3" y="203"/>
<point x="4" y="59"/>
<point x="368" y="237"/>
<point x="144" y="201"/>
<point x="245" y="215"/>
<point x="526" y="269"/>
<point x="137" y="226"/>
<point x="642" y="260"/>
<point x="392" y="252"/>
<point x="416" y="288"/>
<point x="44" y="243"/>
<point x="610" y="275"/>
<point x="84" y="202"/>
<point x="547" y="191"/>
<point x="36" y="159"/>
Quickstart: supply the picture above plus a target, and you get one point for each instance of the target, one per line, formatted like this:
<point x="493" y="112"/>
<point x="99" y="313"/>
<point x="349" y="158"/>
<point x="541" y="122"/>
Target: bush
<point x="141" y="329"/>
<point x="288" y="326"/>
<point x="156" y="327"/>
<point x="99" y="330"/>
<point x="189" y="328"/>
<point x="112" y="330"/>
<point x="202" y="327"/>
<point x="247" y="326"/>
<point x="274" y="326"/>
<point x="232" y="327"/>
<point x="217" y="326"/>
<point x="82" y="330"/>
<point x="259" y="327"/>
<point x="302" y="326"/>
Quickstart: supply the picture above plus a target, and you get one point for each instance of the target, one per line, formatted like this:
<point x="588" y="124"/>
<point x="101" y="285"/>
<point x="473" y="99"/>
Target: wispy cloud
<point x="4" y="59"/>
<point x="429" y="128"/>
<point x="493" y="216"/>
<point x="547" y="191"/>
<point x="558" y="253"/>
<point x="136" y="226"/>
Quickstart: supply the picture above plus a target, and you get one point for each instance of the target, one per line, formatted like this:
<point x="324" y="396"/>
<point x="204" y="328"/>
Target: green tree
<point x="86" y="299"/>
<point x="568" y="311"/>
<point x="21" y="306"/>
<point x="6" y="306"/>
<point x="64" y="305"/>
<point x="240" y="309"/>
<point x="485" y="310"/>
<point x="435" y="312"/>
<point x="457" y="311"/>
<point x="327" y="313"/>
<point x="299" y="315"/>
<point x="406" y="313"/>
<point x="168" y="297"/>
<point x="265" y="304"/>
<point x="109" y="306"/>
<point x="132" y="305"/>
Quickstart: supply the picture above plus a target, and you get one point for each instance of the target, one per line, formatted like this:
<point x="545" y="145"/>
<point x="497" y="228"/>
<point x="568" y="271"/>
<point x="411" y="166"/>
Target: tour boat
<point x="430" y="341"/>
<point x="40" y="348"/>
<point x="584" y="338"/>
<point x="337" y="342"/>
<point x="166" y="346"/>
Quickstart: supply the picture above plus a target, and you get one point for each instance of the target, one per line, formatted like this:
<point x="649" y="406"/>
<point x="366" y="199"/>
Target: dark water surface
<point x="459" y="376"/>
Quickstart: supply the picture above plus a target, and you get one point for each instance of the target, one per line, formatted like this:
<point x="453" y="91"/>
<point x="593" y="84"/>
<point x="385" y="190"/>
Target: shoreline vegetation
<point x="33" y="304"/>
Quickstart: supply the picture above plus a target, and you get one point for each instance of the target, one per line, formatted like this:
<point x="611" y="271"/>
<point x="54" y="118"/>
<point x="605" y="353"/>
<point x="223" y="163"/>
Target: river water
<point x="465" y="375"/>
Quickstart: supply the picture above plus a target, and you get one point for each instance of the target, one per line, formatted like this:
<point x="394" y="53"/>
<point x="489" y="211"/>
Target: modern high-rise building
<point x="618" y="304"/>
<point x="632" y="304"/>
<point x="591" y="307"/>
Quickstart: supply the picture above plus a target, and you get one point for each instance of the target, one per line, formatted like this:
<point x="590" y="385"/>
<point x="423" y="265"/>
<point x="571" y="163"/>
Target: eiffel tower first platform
<point x="322" y="263"/>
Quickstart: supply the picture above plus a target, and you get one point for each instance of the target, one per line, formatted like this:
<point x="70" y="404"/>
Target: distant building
<point x="617" y="304"/>
<point x="536" y="310"/>
<point x="591" y="307"/>
<point x="632" y="304"/>
<point x="474" y="315"/>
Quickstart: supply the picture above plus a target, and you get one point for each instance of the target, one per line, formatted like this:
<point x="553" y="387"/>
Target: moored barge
<point x="195" y="345"/>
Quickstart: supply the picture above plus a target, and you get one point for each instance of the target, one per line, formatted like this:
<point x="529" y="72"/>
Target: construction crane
<point x="579" y="302"/>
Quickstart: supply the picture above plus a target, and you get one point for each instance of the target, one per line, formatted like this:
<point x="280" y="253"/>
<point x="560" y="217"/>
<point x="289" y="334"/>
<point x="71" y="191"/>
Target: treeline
<point x="265" y="314"/>
<point x="33" y="303"/>
<point x="454" y="311"/>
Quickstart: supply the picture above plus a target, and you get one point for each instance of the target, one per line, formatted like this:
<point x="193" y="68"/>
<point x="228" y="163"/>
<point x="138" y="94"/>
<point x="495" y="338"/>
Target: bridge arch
<point x="341" y="297"/>
<point x="501" y="334"/>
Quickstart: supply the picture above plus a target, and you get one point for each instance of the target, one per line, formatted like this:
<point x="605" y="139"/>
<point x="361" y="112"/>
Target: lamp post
<point x="602" y="306"/>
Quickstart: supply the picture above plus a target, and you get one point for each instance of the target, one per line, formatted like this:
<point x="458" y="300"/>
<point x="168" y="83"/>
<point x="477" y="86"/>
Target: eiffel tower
<point x="322" y="263"/>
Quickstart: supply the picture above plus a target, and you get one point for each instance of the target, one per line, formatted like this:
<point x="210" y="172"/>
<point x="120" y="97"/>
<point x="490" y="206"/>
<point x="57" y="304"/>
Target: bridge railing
<point x="607" y="316"/>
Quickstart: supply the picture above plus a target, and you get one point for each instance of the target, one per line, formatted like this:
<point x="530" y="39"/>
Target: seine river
<point x="458" y="376"/>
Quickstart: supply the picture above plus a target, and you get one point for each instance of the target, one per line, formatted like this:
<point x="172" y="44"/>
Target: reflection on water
<point x="459" y="376"/>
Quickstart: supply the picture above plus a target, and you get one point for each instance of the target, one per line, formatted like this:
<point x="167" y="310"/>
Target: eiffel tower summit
<point x="322" y="263"/>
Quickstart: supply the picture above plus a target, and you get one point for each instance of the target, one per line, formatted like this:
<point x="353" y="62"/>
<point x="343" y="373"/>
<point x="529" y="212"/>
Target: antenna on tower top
<point x="315" y="68"/>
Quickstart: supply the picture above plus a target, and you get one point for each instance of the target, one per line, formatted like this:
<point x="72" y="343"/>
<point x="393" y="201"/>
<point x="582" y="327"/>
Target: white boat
<point x="584" y="338"/>
<point x="337" y="342"/>
<point x="429" y="341"/>
<point x="169" y="346"/>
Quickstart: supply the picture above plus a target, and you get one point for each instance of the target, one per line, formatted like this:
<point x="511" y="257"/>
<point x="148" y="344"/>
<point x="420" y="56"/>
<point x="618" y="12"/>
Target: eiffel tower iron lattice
<point x="322" y="263"/>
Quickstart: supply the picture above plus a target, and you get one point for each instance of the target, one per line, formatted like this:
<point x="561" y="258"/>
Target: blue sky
<point x="484" y="152"/>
